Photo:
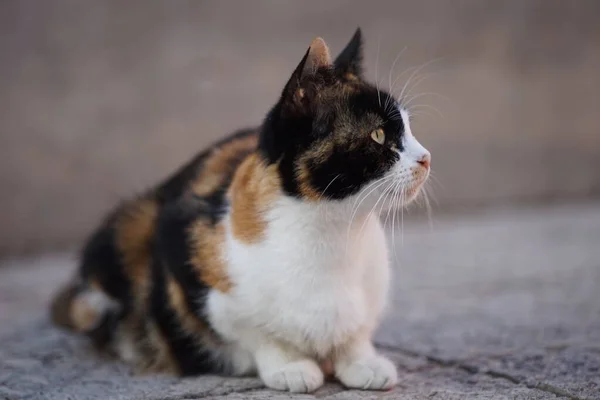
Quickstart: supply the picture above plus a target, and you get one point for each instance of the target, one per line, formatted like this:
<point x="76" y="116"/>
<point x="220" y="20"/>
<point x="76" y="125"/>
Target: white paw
<point x="298" y="377"/>
<point x="376" y="373"/>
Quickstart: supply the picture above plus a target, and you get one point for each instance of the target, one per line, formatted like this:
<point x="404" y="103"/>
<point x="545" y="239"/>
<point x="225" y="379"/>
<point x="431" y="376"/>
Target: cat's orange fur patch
<point x="160" y="358"/>
<point x="134" y="231"/>
<point x="186" y="317"/>
<point x="83" y="316"/>
<point x="317" y="155"/>
<point x="255" y="186"/>
<point x="60" y="308"/>
<point x="188" y="320"/>
<point x="207" y="259"/>
<point x="220" y="165"/>
<point x="307" y="190"/>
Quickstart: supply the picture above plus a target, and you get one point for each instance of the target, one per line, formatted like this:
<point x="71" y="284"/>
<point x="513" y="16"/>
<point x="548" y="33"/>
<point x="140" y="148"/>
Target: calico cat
<point x="264" y="254"/>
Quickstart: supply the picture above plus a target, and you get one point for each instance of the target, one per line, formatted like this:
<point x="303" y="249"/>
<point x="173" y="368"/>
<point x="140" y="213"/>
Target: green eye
<point x="378" y="135"/>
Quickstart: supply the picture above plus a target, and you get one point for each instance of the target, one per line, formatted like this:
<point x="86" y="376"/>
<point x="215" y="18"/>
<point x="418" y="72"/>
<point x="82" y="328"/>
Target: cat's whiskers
<point x="369" y="214"/>
<point x="390" y="75"/>
<point x="402" y="199"/>
<point x="430" y="190"/>
<point x="422" y="114"/>
<point x="377" y="70"/>
<point x="385" y="181"/>
<point x="383" y="204"/>
<point x="426" y="106"/>
<point x="428" y="207"/>
<point x="363" y="193"/>
<point x="420" y="80"/>
<point x="416" y="96"/>
<point x="393" y="86"/>
<point x="391" y="207"/>
<point x="422" y="200"/>
<point x="362" y="196"/>
<point x="411" y="77"/>
<point x="395" y="208"/>
<point x="326" y="205"/>
<point x="394" y="113"/>
<point x="433" y="179"/>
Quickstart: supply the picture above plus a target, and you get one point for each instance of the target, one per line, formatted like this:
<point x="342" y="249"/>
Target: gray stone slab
<point x="41" y="362"/>
<point x="493" y="283"/>
<point x="503" y="305"/>
<point x="574" y="370"/>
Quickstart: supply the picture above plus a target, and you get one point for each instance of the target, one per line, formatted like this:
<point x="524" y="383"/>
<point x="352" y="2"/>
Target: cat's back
<point x="117" y="258"/>
<point x="210" y="171"/>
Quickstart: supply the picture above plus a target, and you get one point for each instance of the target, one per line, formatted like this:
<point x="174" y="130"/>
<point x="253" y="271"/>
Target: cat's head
<point x="335" y="136"/>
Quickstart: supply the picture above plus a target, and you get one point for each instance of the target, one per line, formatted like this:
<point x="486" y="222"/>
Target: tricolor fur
<point x="264" y="254"/>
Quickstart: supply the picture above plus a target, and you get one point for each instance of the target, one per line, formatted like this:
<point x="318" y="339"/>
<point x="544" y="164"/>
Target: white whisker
<point x="359" y="236"/>
<point x="377" y="69"/>
<point x="427" y="207"/>
<point x="390" y="74"/>
<point x="428" y="107"/>
<point x="323" y="194"/>
<point x="355" y="208"/>
<point x="395" y="207"/>
<point x="416" y="71"/>
<point x="423" y="78"/>
<point x="416" y="96"/>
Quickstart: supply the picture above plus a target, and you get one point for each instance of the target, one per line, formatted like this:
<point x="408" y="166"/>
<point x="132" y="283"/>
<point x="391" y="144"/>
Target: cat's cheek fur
<point x="297" y="302"/>
<point x="407" y="172"/>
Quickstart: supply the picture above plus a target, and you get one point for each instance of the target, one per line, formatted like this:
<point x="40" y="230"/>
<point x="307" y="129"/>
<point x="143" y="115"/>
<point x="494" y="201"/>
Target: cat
<point x="264" y="254"/>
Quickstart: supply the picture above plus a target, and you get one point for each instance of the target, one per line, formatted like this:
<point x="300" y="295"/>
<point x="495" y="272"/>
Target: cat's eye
<point x="378" y="135"/>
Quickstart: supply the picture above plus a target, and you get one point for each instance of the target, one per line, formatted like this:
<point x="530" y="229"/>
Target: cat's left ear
<point x="350" y="59"/>
<point x="317" y="56"/>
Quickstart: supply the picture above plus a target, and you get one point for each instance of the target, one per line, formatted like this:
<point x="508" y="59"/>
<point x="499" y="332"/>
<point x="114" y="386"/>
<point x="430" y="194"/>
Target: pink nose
<point x="425" y="161"/>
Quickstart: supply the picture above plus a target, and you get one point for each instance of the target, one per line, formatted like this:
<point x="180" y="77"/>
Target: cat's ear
<point x="350" y="59"/>
<point x="317" y="56"/>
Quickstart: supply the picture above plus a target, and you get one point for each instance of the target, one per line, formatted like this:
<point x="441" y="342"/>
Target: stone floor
<point x="502" y="305"/>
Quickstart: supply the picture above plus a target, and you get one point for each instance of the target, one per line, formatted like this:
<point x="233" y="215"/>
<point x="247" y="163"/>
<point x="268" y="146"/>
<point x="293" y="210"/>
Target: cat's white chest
<point x="303" y="286"/>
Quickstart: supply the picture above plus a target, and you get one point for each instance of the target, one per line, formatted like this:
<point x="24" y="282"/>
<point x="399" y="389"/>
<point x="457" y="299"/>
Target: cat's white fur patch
<point x="413" y="150"/>
<point x="303" y="294"/>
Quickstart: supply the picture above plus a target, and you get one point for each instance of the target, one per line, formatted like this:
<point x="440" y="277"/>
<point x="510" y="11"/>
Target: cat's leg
<point x="359" y="366"/>
<point x="283" y="368"/>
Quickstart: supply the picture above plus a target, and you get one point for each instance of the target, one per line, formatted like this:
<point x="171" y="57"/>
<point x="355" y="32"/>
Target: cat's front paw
<point x="303" y="376"/>
<point x="374" y="373"/>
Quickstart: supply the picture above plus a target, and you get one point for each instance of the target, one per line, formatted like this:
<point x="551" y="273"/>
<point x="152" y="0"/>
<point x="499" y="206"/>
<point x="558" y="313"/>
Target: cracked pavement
<point x="498" y="305"/>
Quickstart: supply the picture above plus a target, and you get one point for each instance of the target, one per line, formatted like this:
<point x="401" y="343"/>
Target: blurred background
<point x="99" y="100"/>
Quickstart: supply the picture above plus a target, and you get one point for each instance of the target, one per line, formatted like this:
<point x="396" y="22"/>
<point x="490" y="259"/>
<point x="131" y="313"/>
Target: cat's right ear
<point x="317" y="56"/>
<point x="350" y="59"/>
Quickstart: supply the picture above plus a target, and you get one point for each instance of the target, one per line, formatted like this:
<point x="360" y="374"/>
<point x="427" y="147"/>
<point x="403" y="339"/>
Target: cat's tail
<point x="80" y="308"/>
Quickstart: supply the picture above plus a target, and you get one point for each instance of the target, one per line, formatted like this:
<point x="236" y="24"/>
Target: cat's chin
<point x="412" y="192"/>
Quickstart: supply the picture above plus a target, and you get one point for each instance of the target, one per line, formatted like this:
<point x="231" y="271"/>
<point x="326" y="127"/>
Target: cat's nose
<point x="425" y="160"/>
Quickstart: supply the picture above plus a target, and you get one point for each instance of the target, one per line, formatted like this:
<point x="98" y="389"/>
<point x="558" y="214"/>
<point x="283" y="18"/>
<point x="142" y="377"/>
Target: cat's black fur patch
<point x="191" y="358"/>
<point x="330" y="103"/>
<point x="173" y="247"/>
<point x="350" y="59"/>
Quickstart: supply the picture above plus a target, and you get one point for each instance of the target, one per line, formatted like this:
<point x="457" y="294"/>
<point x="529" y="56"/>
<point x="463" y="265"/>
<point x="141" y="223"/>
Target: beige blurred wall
<point x="99" y="99"/>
